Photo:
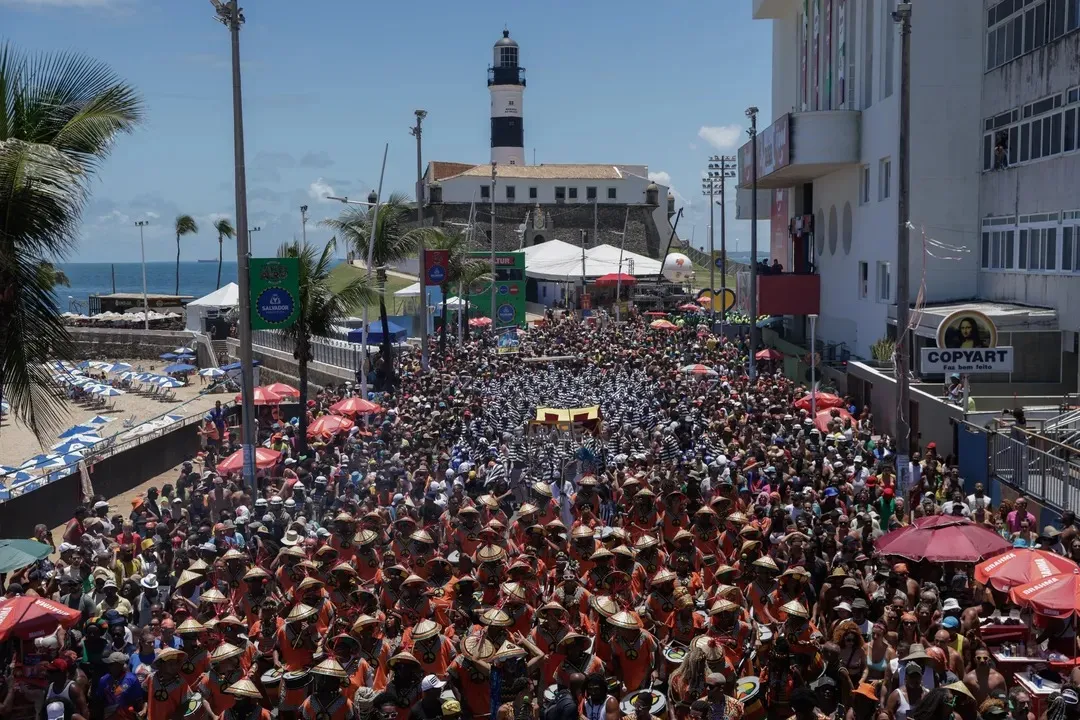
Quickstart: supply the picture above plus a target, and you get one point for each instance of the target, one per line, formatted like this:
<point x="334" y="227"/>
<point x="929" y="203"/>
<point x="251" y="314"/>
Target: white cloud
<point x="61" y="3"/>
<point x="115" y="217"/>
<point x="320" y="190"/>
<point x="722" y="137"/>
<point x="152" y="215"/>
<point x="660" y="178"/>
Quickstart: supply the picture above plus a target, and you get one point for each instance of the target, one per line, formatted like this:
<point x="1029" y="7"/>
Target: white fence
<point x="336" y="353"/>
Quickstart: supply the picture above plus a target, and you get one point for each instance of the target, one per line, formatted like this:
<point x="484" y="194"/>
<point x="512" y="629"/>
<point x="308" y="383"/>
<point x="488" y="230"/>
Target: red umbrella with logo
<point x="480" y="322"/>
<point x="355" y="406"/>
<point x="824" y="401"/>
<point x="264" y="458"/>
<point x="698" y="369"/>
<point x="769" y="354"/>
<point x="283" y="390"/>
<point x="329" y="425"/>
<point x="824" y="417"/>
<point x="261" y="396"/>
<point x="942" y="538"/>
<point x="1020" y="566"/>
<point x="1057" y="595"/>
<point x="29" y="617"/>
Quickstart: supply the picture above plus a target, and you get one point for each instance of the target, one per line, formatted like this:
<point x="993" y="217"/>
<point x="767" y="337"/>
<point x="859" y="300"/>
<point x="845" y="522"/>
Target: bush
<point x="883" y="350"/>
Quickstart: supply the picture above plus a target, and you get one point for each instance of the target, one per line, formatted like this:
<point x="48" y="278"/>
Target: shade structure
<point x="769" y="354"/>
<point x="655" y="313"/>
<point x="663" y="325"/>
<point x="698" y="369"/>
<point x="1021" y="566"/>
<point x="178" y="368"/>
<point x="212" y="372"/>
<point x="283" y="390"/>
<point x="168" y="356"/>
<point x="25" y="617"/>
<point x="355" y="406"/>
<point x="1056" y="595"/>
<point x="942" y="538"/>
<point x="261" y="396"/>
<point x="15" y="554"/>
<point x="479" y="322"/>
<point x="264" y="458"/>
<point x="690" y="307"/>
<point x="398" y="334"/>
<point x="824" y="401"/>
<point x="327" y="425"/>
<point x="824" y="417"/>
<point x="87" y="429"/>
<point x="615" y="279"/>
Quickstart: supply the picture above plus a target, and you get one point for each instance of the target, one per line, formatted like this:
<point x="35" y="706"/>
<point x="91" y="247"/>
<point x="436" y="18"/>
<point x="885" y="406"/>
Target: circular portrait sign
<point x="967" y="329"/>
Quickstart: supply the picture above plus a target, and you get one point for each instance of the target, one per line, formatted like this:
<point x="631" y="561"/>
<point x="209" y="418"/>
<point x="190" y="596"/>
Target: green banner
<point x="509" y="290"/>
<point x="274" y="292"/>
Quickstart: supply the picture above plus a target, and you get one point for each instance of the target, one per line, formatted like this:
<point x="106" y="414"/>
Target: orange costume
<point x="163" y="699"/>
<point x="634" y="659"/>
<point x="340" y="708"/>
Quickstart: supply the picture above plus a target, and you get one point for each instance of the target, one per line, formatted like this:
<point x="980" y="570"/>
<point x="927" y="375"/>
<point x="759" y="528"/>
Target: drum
<point x="764" y="640"/>
<point x="673" y="655"/>
<point x="659" y="702"/>
<point x="294" y="689"/>
<point x="271" y="682"/>
<point x="549" y="693"/>
<point x="193" y="706"/>
<point x="748" y="692"/>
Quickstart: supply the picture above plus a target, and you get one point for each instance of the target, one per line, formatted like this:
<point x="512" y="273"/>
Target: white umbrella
<point x="116" y="367"/>
<point x="106" y="391"/>
<point x="183" y="351"/>
<point x="99" y="420"/>
<point x="212" y="372"/>
<point x="169" y="383"/>
<point x="86" y="439"/>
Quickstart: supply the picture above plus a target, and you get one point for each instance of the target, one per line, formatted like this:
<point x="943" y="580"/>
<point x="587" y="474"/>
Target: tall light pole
<point x="716" y="176"/>
<point x="417" y="132"/>
<point x="494" y="175"/>
<point x="231" y="16"/>
<point x="254" y="230"/>
<point x="751" y="112"/>
<point x="303" y="222"/>
<point x="813" y="366"/>
<point x="903" y="336"/>
<point x="142" y="250"/>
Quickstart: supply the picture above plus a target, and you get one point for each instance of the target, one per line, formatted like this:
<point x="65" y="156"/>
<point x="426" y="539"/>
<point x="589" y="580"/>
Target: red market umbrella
<point x="480" y="322"/>
<point x="1021" y="566"/>
<point x="355" y="406"/>
<point x="283" y="390"/>
<point x="690" y="307"/>
<point x="1057" y="595"/>
<point x="329" y="425"/>
<point x="663" y="325"/>
<point x="769" y="354"/>
<point x="262" y="396"/>
<point x="614" y="279"/>
<point x="824" y="417"/>
<point x="698" y="369"/>
<point x="656" y="313"/>
<point x="824" y="401"/>
<point x="265" y="458"/>
<point x="31" y="617"/>
<point x="942" y="538"/>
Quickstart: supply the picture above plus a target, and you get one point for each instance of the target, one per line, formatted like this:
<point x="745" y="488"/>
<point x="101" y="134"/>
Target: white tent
<point x="409" y="292"/>
<point x="560" y="261"/>
<point x="223" y="299"/>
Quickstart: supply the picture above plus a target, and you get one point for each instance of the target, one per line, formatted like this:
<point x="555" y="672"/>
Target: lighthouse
<point x="506" y="82"/>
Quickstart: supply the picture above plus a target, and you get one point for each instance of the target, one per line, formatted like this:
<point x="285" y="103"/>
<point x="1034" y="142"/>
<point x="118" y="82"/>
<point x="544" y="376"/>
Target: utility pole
<point x="751" y="112"/>
<point x="715" y="177"/>
<point x="142" y="249"/>
<point x="584" y="281"/>
<point x="416" y="132"/>
<point x="903" y="349"/>
<point x="618" y="278"/>
<point x="494" y="174"/>
<point x="303" y="222"/>
<point x="230" y="15"/>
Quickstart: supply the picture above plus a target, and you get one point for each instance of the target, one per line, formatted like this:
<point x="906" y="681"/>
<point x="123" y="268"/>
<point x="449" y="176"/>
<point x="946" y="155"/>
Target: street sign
<point x="437" y="264"/>
<point x="274" y="292"/>
<point x="971" y="360"/>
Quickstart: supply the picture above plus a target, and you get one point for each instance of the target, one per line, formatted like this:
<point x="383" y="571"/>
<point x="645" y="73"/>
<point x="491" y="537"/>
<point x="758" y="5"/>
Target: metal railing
<point x="336" y="353"/>
<point x="1052" y="474"/>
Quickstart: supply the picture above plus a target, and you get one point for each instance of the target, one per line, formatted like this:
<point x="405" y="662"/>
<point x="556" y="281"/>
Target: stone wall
<point x="110" y="343"/>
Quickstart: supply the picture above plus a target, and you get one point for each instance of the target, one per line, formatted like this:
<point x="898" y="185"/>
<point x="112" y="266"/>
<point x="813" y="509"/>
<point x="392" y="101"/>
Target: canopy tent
<point x="375" y="336"/>
<point x="409" y="292"/>
<point x="225" y="298"/>
<point x="552" y="416"/>
<point x="560" y="261"/>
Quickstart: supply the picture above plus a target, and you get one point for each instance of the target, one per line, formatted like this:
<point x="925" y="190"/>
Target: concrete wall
<point x="53" y="504"/>
<point x="109" y="343"/>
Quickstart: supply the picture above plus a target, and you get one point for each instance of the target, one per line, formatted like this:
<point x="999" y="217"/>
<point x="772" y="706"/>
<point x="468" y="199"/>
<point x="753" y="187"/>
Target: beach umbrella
<point x="355" y="406"/>
<point x="283" y="390"/>
<point x="824" y="401"/>
<point x="129" y="375"/>
<point x="83" y="365"/>
<point x="1021" y="566"/>
<point x="178" y="368"/>
<point x="615" y="279"/>
<point x="18" y="553"/>
<point x="663" y="325"/>
<point x="1057" y="595"/>
<point x="690" y="307"/>
<point x="61" y="461"/>
<point x="261" y="396"/>
<point x="107" y="391"/>
<point x="769" y="354"/>
<point x="479" y="322"/>
<point x="25" y="616"/>
<point x="168" y="356"/>
<point x="86" y="429"/>
<point x="698" y="369"/>
<point x="264" y="458"/>
<point x="71" y="446"/>
<point x="824" y="417"/>
<point x="212" y="372"/>
<point x="116" y="367"/>
<point x="167" y="382"/>
<point x="941" y="539"/>
<point x="329" y="425"/>
<point x="99" y="420"/>
<point x="36" y="462"/>
<point x="10" y="473"/>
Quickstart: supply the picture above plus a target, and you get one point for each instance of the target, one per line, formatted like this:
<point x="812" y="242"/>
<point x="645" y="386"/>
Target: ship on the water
<point x="210" y="260"/>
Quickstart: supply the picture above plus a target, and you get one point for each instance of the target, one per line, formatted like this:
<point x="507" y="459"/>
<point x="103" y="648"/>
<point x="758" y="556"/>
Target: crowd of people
<point x="705" y="549"/>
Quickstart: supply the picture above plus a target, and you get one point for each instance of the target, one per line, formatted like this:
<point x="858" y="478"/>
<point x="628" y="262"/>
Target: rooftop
<point x="438" y="170"/>
<point x="542" y="172"/>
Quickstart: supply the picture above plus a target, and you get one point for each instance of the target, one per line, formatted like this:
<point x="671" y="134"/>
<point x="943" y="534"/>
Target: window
<point x="884" y="178"/>
<point x="1038" y="249"/>
<point x="884" y="282"/>
<point x="864" y="280"/>
<point x="998" y="249"/>
<point x="532" y="193"/>
<point x="611" y="194"/>
<point x="573" y="193"/>
<point x="485" y="192"/>
<point x="511" y="193"/>
<point x="864" y="184"/>
<point x="590" y="193"/>
<point x="1016" y="27"/>
<point x="1036" y="131"/>
<point x="560" y="194"/>
<point x="888" y="63"/>
<point x="868" y="55"/>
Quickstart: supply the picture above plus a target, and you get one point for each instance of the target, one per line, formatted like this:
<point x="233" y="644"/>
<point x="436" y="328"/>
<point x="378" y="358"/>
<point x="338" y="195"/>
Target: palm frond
<point x="186" y="225"/>
<point x="224" y="228"/>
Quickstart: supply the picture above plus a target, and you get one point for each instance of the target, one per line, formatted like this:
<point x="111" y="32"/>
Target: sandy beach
<point x="18" y="443"/>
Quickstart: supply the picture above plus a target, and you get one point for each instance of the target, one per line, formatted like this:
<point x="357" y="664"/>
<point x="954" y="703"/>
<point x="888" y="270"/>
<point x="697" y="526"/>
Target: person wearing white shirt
<point x="978" y="498"/>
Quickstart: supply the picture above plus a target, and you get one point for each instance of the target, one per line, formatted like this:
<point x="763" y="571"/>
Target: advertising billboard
<point x="509" y="290"/>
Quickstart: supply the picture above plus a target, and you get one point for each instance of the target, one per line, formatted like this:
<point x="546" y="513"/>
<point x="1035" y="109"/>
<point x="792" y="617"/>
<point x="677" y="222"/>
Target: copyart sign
<point x="967" y="360"/>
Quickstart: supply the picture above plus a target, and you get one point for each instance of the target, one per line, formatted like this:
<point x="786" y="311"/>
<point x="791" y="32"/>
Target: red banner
<point x="436" y="266"/>
<point x="778" y="236"/>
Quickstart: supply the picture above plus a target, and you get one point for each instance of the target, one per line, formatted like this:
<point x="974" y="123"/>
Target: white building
<point x="546" y="184"/>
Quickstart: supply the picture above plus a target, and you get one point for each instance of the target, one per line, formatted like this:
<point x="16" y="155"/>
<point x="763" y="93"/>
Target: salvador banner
<point x="274" y="292"/>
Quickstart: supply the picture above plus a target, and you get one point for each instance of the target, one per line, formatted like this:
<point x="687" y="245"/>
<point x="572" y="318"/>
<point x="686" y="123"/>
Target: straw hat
<point x="343" y="567"/>
<point x="959" y="687"/>
<point x="244" y="688"/>
<point x="234" y="554"/>
<point x="309" y="583"/>
<point x="365" y="537"/>
<point x="604" y="605"/>
<point x="300" y="612"/>
<point x="798" y="572"/>
<point x="723" y="606"/>
<point x="213" y="595"/>
<point x="425" y="629"/>
<point x="224" y="651"/>
<point x="422" y="536"/>
<point x="188" y="576"/>
<point x="552" y="606"/>
<point x="291" y="551"/>
<point x="528" y="509"/>
<point x="166" y="654"/>
<point x="490" y="553"/>
<point x="724" y="569"/>
<point x="709" y="647"/>
<point x="625" y="620"/>
<point x="542" y="488"/>
<point x="191" y="626"/>
<point x="468" y="510"/>
<point x="198" y="566"/>
<point x="329" y="668"/>
<point x="513" y="590"/>
<point x="491" y="503"/>
<point x="364" y="621"/>
<point x="766" y="563"/>
<point x="414" y="580"/>
<point x="508" y="651"/>
<point x="256" y="573"/>
<point x="571" y="637"/>
<point x="663" y="575"/>
<point x="602" y="554"/>
<point x="623" y="550"/>
<point x="403" y="656"/>
<point x="581" y="532"/>
<point x="231" y="620"/>
<point x="477" y="648"/>
<point x="494" y="617"/>
<point x="645" y="542"/>
<point x="737" y="518"/>
<point x="916" y="652"/>
<point x="682" y="535"/>
<point x="796" y="609"/>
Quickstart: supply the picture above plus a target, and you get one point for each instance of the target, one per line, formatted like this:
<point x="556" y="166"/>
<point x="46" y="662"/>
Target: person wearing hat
<point x="165" y="688"/>
<point x="577" y="659"/>
<point x="431" y="648"/>
<point x="327" y="701"/>
<point x="910" y="691"/>
<point x="60" y="686"/>
<point x="245" y="704"/>
<point x="403" y="690"/>
<point x="298" y="638"/>
<point x="660" y="602"/>
<point x="224" y="670"/>
<point x="684" y="624"/>
<point x="635" y="654"/>
<point x="118" y="694"/>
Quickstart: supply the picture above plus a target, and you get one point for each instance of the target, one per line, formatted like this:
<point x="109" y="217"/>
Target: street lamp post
<point x="230" y="14"/>
<point x="417" y="131"/>
<point x="303" y="222"/>
<point x="751" y="112"/>
<point x="903" y="259"/>
<point x="494" y="175"/>
<point x="254" y="230"/>
<point x="721" y="167"/>
<point x="142" y="250"/>
<point x="813" y="366"/>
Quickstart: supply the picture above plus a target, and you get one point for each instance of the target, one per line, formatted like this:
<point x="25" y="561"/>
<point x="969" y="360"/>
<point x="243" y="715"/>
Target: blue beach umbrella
<point x="178" y="368"/>
<point x="77" y="430"/>
<point x="167" y="356"/>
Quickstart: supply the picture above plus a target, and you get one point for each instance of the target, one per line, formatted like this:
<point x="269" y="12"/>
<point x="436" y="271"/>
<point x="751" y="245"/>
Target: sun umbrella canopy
<point x="355" y="406"/>
<point x="480" y="322"/>
<point x="15" y="554"/>
<point x="690" y="307"/>
<point x="167" y="382"/>
<point x="106" y="391"/>
<point x="329" y="425"/>
<point x="663" y="325"/>
<point x="264" y="458"/>
<point x="1021" y="566"/>
<point x="824" y="417"/>
<point x="183" y="351"/>
<point x="1056" y="595"/>
<point x="212" y="372"/>
<point x="942" y="538"/>
<point x="86" y="429"/>
<point x="698" y="369"/>
<point x="10" y="474"/>
<point x="99" y="420"/>
<point x="824" y="401"/>
<point x="168" y="356"/>
<point x="283" y="390"/>
<point x="261" y="396"/>
<point x="178" y="368"/>
<point x="24" y="616"/>
<point x="615" y="279"/>
<point x="769" y="354"/>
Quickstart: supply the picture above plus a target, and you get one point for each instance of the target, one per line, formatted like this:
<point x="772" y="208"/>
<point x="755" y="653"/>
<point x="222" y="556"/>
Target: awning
<point x="551" y="416"/>
<point x="556" y="260"/>
<point x="1007" y="317"/>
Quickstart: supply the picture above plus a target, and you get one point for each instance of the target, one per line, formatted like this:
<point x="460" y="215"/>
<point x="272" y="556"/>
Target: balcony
<point x="802" y="147"/>
<point x="506" y="76"/>
<point x="789" y="294"/>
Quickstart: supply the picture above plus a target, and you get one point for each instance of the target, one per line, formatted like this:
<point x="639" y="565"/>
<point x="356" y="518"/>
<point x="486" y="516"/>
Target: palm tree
<point x="224" y="230"/>
<point x="59" y="117"/>
<point x="394" y="242"/>
<point x="462" y="271"/>
<point x="185" y="225"/>
<point x="51" y="276"/>
<point x="321" y="307"/>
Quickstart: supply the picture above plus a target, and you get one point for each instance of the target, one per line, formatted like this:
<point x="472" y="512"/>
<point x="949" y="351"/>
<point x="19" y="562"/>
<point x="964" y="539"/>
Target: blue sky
<point x="327" y="82"/>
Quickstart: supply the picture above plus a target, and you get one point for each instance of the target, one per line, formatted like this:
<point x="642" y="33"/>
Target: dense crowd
<point x="704" y="549"/>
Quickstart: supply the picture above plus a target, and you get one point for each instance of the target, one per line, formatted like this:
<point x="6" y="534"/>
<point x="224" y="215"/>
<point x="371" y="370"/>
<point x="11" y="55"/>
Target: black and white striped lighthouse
<point x="506" y="81"/>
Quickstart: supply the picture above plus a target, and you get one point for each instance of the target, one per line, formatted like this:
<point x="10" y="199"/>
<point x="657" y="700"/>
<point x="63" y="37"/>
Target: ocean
<point x="196" y="279"/>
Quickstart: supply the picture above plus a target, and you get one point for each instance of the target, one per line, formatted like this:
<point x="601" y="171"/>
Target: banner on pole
<point x="274" y="292"/>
